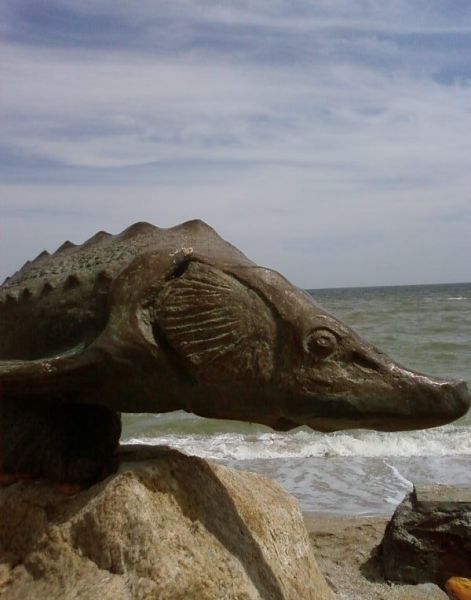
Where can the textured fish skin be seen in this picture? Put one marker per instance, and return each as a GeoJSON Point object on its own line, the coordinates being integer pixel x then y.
{"type": "Point", "coordinates": [156, 320]}
{"type": "Point", "coordinates": [59, 300]}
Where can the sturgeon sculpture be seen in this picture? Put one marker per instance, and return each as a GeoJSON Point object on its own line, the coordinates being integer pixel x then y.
{"type": "Point", "coordinates": [157, 320]}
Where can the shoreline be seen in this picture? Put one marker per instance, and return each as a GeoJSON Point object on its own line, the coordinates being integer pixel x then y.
{"type": "Point", "coordinates": [346, 550]}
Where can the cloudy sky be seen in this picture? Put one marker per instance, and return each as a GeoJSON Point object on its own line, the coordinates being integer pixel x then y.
{"type": "Point", "coordinates": [329, 139]}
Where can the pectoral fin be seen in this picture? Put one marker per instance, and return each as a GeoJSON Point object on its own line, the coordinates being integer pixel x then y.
{"type": "Point", "coordinates": [218, 325]}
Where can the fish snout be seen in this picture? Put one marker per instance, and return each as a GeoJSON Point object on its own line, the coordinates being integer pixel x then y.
{"type": "Point", "coordinates": [441, 399]}
{"type": "Point", "coordinates": [456, 397]}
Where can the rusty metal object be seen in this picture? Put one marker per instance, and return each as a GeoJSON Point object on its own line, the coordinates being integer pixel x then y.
{"type": "Point", "coordinates": [459, 588]}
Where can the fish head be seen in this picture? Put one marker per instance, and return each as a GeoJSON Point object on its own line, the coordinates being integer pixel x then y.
{"type": "Point", "coordinates": [260, 349]}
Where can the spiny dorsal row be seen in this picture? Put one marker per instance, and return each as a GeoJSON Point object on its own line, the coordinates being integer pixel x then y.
{"type": "Point", "coordinates": [14, 297]}
{"type": "Point", "coordinates": [26, 283]}
{"type": "Point", "coordinates": [99, 237]}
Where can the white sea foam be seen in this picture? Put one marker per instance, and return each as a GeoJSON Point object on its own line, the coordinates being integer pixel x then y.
{"type": "Point", "coordinates": [362, 472]}
{"type": "Point", "coordinates": [399, 477]}
{"type": "Point", "coordinates": [443, 441]}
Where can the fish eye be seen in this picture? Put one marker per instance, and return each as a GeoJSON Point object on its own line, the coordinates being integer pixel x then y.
{"type": "Point", "coordinates": [321, 343]}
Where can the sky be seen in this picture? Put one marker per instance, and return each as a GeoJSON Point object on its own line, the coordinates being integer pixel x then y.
{"type": "Point", "coordinates": [329, 140]}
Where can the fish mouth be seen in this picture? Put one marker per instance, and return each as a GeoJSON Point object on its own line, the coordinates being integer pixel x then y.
{"type": "Point", "coordinates": [377, 423]}
{"type": "Point", "coordinates": [428, 403]}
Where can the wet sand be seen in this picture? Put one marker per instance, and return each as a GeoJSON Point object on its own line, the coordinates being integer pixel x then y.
{"type": "Point", "coordinates": [346, 549]}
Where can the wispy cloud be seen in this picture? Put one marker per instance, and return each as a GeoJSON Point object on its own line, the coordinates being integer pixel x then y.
{"type": "Point", "coordinates": [329, 139]}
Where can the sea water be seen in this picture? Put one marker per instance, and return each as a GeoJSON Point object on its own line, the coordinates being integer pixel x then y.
{"type": "Point", "coordinates": [426, 328]}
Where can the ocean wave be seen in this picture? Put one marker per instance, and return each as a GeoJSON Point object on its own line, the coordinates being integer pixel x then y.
{"type": "Point", "coordinates": [443, 441]}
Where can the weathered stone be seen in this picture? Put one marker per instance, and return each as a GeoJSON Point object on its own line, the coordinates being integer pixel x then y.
{"type": "Point", "coordinates": [429, 536]}
{"type": "Point", "coordinates": [431, 496]}
{"type": "Point", "coordinates": [157, 320]}
{"type": "Point", "coordinates": [169, 527]}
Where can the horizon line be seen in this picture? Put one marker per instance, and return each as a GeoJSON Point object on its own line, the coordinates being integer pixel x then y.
{"type": "Point", "coordinates": [387, 285]}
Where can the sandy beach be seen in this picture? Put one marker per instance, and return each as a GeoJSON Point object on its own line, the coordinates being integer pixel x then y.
{"type": "Point", "coordinates": [346, 550]}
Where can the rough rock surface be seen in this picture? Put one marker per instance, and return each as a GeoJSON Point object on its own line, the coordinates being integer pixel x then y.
{"type": "Point", "coordinates": [165, 526]}
{"type": "Point", "coordinates": [346, 550]}
{"type": "Point", "coordinates": [429, 536]}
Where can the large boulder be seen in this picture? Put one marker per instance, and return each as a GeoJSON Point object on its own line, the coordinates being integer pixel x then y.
{"type": "Point", "coordinates": [429, 537]}
{"type": "Point", "coordinates": [165, 526]}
